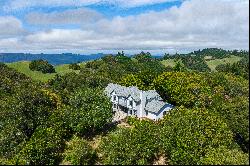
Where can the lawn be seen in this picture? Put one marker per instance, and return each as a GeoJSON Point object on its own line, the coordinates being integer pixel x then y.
{"type": "Point", "coordinates": [23, 67]}
{"type": "Point", "coordinates": [213, 63]}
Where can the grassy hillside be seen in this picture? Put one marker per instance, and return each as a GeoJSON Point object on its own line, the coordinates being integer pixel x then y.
{"type": "Point", "coordinates": [213, 63]}
{"type": "Point", "coordinates": [23, 67]}
{"type": "Point", "coordinates": [169, 62]}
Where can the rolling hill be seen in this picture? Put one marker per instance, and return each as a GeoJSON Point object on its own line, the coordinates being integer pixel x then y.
{"type": "Point", "coordinates": [23, 67]}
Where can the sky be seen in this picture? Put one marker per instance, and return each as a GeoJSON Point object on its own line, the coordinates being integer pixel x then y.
{"type": "Point", "coordinates": [109, 26]}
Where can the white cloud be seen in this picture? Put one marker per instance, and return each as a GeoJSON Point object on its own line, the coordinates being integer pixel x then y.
{"type": "Point", "coordinates": [195, 24]}
{"type": "Point", "coordinates": [77, 16]}
{"type": "Point", "coordinates": [10, 26]}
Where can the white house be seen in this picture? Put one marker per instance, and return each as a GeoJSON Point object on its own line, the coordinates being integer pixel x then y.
{"type": "Point", "coordinates": [130, 101]}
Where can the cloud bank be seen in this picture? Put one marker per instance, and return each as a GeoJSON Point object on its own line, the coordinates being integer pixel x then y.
{"type": "Point", "coordinates": [195, 24]}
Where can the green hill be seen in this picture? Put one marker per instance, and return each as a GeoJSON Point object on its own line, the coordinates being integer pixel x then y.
{"type": "Point", "coordinates": [23, 67]}
{"type": "Point", "coordinates": [213, 63]}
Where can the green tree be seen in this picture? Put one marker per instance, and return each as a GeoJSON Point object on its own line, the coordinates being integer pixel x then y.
{"type": "Point", "coordinates": [74, 66]}
{"type": "Point", "coordinates": [224, 156]}
{"type": "Point", "coordinates": [143, 57]}
{"type": "Point", "coordinates": [183, 88]}
{"type": "Point", "coordinates": [179, 67]}
{"type": "Point", "coordinates": [89, 110]}
{"type": "Point", "coordinates": [41, 65]}
{"type": "Point", "coordinates": [23, 113]}
{"type": "Point", "coordinates": [79, 152]}
{"type": "Point", "coordinates": [43, 147]}
{"type": "Point", "coordinates": [131, 146]}
{"type": "Point", "coordinates": [189, 134]}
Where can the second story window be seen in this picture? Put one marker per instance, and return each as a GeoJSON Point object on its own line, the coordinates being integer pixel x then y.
{"type": "Point", "coordinates": [114, 98]}
{"type": "Point", "coordinates": [131, 103]}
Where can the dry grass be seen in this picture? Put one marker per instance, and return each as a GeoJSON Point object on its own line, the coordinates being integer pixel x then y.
{"type": "Point", "coordinates": [161, 160]}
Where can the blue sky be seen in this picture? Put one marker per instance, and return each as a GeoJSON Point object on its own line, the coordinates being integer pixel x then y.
{"type": "Point", "coordinates": [89, 26]}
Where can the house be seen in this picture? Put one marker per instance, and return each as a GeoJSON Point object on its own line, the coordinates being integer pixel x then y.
{"type": "Point", "coordinates": [130, 101]}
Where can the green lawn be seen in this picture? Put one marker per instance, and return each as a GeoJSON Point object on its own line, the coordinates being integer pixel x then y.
{"type": "Point", "coordinates": [23, 67]}
{"type": "Point", "coordinates": [213, 63]}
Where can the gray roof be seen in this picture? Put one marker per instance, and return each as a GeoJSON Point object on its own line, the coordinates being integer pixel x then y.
{"type": "Point", "coordinates": [155, 106]}
{"type": "Point", "coordinates": [132, 91]}
{"type": "Point", "coordinates": [154, 101]}
{"type": "Point", "coordinates": [152, 94]}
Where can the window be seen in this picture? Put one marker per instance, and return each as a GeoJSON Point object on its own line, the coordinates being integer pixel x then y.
{"type": "Point", "coordinates": [135, 112]}
{"type": "Point", "coordinates": [114, 106]}
{"type": "Point", "coordinates": [131, 103]}
{"type": "Point", "coordinates": [146, 113]}
{"type": "Point", "coordinates": [114, 98]}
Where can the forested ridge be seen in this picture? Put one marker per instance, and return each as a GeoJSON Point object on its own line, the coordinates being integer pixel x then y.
{"type": "Point", "coordinates": [67, 120]}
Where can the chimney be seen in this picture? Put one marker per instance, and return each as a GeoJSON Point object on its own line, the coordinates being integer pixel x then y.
{"type": "Point", "coordinates": [142, 105]}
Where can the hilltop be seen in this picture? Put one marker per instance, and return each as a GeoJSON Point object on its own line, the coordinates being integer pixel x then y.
{"type": "Point", "coordinates": [23, 67]}
{"type": "Point", "coordinates": [68, 119]}
{"type": "Point", "coordinates": [204, 60]}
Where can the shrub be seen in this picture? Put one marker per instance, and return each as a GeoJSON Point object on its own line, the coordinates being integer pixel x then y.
{"type": "Point", "coordinates": [41, 65]}
{"type": "Point", "coordinates": [78, 152]}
